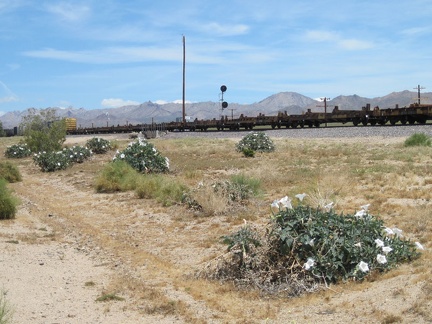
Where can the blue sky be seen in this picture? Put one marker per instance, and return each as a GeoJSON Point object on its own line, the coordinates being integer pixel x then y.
{"type": "Point", "coordinates": [100, 54]}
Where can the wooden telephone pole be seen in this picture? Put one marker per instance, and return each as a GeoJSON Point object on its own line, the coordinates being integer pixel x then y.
{"type": "Point", "coordinates": [418, 93]}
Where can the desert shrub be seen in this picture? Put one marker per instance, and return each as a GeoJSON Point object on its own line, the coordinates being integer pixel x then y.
{"type": "Point", "coordinates": [116, 176]}
{"type": "Point", "coordinates": [222, 196]}
{"type": "Point", "coordinates": [8, 203]}
{"type": "Point", "coordinates": [248, 152]}
{"type": "Point", "coordinates": [255, 141]}
{"type": "Point", "coordinates": [9, 172]}
{"type": "Point", "coordinates": [238, 188]}
{"type": "Point", "coordinates": [77, 154]}
{"type": "Point", "coordinates": [98, 145]}
{"type": "Point", "coordinates": [143, 157]}
{"type": "Point", "coordinates": [165, 190]}
{"type": "Point", "coordinates": [52, 161]}
{"type": "Point", "coordinates": [43, 130]}
{"type": "Point", "coordinates": [418, 139]}
{"type": "Point", "coordinates": [304, 248]}
{"type": "Point", "coordinates": [17, 151]}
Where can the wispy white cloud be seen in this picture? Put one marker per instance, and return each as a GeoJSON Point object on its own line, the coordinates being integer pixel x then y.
{"type": "Point", "coordinates": [109, 55]}
{"type": "Point", "coordinates": [226, 29]}
{"type": "Point", "coordinates": [336, 38]}
{"type": "Point", "coordinates": [117, 102]}
{"type": "Point", "coordinates": [69, 11]}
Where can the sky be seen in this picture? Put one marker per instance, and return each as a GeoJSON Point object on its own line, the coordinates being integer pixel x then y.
{"type": "Point", "coordinates": [103, 54]}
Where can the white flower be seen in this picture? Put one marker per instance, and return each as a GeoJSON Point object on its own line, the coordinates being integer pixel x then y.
{"type": "Point", "coordinates": [275, 204]}
{"type": "Point", "coordinates": [379, 243]}
{"type": "Point", "coordinates": [312, 242]}
{"type": "Point", "coordinates": [71, 156]}
{"type": "Point", "coordinates": [309, 264]}
{"type": "Point", "coordinates": [358, 244]}
{"type": "Point", "coordinates": [301, 196]}
{"type": "Point", "coordinates": [59, 164]}
{"type": "Point", "coordinates": [381, 259]}
{"type": "Point", "coordinates": [363, 266]}
{"type": "Point", "coordinates": [167, 162]}
{"type": "Point", "coordinates": [365, 207]}
{"type": "Point", "coordinates": [397, 231]}
{"type": "Point", "coordinates": [389, 231]}
{"type": "Point", "coordinates": [386, 249]}
{"type": "Point", "coordinates": [361, 213]}
{"type": "Point", "coordinates": [329, 206]}
{"type": "Point", "coordinates": [286, 202]}
{"type": "Point", "coordinates": [419, 246]}
{"type": "Point", "coordinates": [122, 156]}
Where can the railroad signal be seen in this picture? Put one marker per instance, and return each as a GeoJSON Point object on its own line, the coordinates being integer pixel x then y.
{"type": "Point", "coordinates": [224, 104]}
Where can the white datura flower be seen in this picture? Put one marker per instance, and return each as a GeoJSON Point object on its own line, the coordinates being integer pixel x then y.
{"type": "Point", "coordinates": [309, 264]}
{"type": "Point", "coordinates": [363, 266]}
{"type": "Point", "coordinates": [381, 259]}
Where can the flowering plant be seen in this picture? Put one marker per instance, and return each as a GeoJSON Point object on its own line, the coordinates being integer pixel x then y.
{"type": "Point", "coordinates": [255, 141]}
{"type": "Point", "coordinates": [143, 157]}
{"type": "Point", "coordinates": [98, 145]}
{"type": "Point", "coordinates": [51, 161]}
{"type": "Point", "coordinates": [77, 154]}
{"type": "Point", "coordinates": [305, 247]}
{"type": "Point", "coordinates": [17, 151]}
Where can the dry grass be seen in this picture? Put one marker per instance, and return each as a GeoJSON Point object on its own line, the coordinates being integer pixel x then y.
{"type": "Point", "coordinates": [160, 247]}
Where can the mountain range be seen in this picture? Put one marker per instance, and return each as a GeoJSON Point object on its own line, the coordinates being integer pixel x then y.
{"type": "Point", "coordinates": [148, 112]}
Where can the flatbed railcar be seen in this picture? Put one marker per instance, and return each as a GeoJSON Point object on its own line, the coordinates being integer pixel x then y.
{"type": "Point", "coordinates": [415, 113]}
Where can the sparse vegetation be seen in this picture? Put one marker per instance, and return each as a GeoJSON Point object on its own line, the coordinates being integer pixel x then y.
{"type": "Point", "coordinates": [109, 297]}
{"type": "Point", "coordinates": [9, 172]}
{"type": "Point", "coordinates": [418, 139]}
{"type": "Point", "coordinates": [6, 311]}
{"type": "Point", "coordinates": [8, 203]}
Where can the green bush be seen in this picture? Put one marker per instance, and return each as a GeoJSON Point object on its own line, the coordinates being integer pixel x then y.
{"type": "Point", "coordinates": [8, 203]}
{"type": "Point", "coordinates": [98, 145]}
{"type": "Point", "coordinates": [52, 161]}
{"type": "Point", "coordinates": [17, 151]}
{"type": "Point", "coordinates": [255, 141]}
{"type": "Point", "coordinates": [77, 154]}
{"type": "Point", "coordinates": [43, 130]}
{"type": "Point", "coordinates": [143, 157]}
{"type": "Point", "coordinates": [9, 172]}
{"type": "Point", "coordinates": [159, 187]}
{"type": "Point", "coordinates": [116, 176]}
{"type": "Point", "coordinates": [303, 248]}
{"type": "Point", "coordinates": [418, 139]}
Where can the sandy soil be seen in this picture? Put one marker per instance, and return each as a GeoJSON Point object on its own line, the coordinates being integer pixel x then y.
{"type": "Point", "coordinates": [69, 246]}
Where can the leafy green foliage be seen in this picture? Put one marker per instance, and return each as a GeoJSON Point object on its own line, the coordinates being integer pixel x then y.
{"type": "Point", "coordinates": [305, 247]}
{"type": "Point", "coordinates": [257, 142]}
{"type": "Point", "coordinates": [77, 154]}
{"type": "Point", "coordinates": [244, 239]}
{"type": "Point", "coordinates": [17, 151]}
{"type": "Point", "coordinates": [9, 172]}
{"type": "Point", "coordinates": [8, 203]}
{"type": "Point", "coordinates": [2, 132]}
{"type": "Point", "coordinates": [44, 131]}
{"type": "Point", "coordinates": [143, 157]}
{"type": "Point", "coordinates": [98, 145]}
{"type": "Point", "coordinates": [418, 139]}
{"type": "Point", "coordinates": [52, 161]}
{"type": "Point", "coordinates": [248, 152]}
{"type": "Point", "coordinates": [336, 244]}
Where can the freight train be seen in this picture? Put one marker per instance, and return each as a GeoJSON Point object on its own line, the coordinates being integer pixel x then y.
{"type": "Point", "coordinates": [415, 113]}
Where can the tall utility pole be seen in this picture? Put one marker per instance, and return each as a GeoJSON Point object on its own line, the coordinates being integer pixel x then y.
{"type": "Point", "coordinates": [184, 81]}
{"type": "Point", "coordinates": [418, 93]}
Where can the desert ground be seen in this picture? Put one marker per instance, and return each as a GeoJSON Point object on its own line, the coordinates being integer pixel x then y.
{"type": "Point", "coordinates": [69, 246]}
